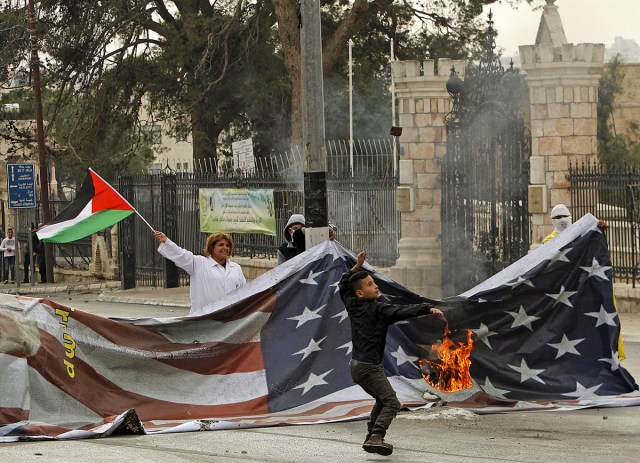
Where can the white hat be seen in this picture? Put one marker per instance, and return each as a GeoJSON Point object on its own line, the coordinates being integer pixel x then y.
{"type": "Point", "coordinates": [560, 210]}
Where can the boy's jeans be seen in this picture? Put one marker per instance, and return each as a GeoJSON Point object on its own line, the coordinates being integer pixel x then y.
{"type": "Point", "coordinates": [372, 379]}
{"type": "Point", "coordinates": [9, 267]}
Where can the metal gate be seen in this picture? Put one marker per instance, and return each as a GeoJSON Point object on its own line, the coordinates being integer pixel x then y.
{"type": "Point", "coordinates": [362, 206]}
{"type": "Point", "coordinates": [485, 174]}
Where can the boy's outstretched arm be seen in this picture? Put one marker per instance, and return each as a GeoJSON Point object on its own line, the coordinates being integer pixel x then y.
{"type": "Point", "coordinates": [343, 285]}
{"type": "Point", "coordinates": [360, 258]}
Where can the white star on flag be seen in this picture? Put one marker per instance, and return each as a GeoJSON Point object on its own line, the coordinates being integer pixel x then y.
{"type": "Point", "coordinates": [402, 357]}
{"type": "Point", "coordinates": [596, 270]}
{"type": "Point", "coordinates": [310, 280]}
{"type": "Point", "coordinates": [521, 318]}
{"type": "Point", "coordinates": [584, 393]}
{"type": "Point", "coordinates": [520, 281]}
{"type": "Point", "coordinates": [614, 361]}
{"type": "Point", "coordinates": [313, 381]}
{"type": "Point", "coordinates": [561, 256]}
{"type": "Point", "coordinates": [348, 346]}
{"type": "Point", "coordinates": [562, 297]}
{"type": "Point", "coordinates": [490, 389]}
{"type": "Point", "coordinates": [603, 317]}
{"type": "Point", "coordinates": [483, 333]}
{"type": "Point", "coordinates": [342, 315]}
{"type": "Point", "coordinates": [527, 373]}
{"type": "Point", "coordinates": [307, 315]}
{"type": "Point", "coordinates": [312, 347]}
{"type": "Point", "coordinates": [336, 286]}
{"type": "Point", "coordinates": [566, 346]}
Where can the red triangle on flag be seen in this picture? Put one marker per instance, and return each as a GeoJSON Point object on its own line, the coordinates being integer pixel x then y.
{"type": "Point", "coordinates": [106, 197]}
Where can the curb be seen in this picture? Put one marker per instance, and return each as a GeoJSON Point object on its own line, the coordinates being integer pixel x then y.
{"type": "Point", "coordinates": [63, 288]}
{"type": "Point", "coordinates": [110, 297]}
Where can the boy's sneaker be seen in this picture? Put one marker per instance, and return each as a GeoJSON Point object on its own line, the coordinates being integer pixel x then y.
{"type": "Point", "coordinates": [376, 444]}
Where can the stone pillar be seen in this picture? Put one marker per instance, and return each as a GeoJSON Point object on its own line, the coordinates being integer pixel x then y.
{"type": "Point", "coordinates": [423, 103]}
{"type": "Point", "coordinates": [563, 94]}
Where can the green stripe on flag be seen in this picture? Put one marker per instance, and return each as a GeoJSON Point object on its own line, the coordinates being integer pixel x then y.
{"type": "Point", "coordinates": [92, 224]}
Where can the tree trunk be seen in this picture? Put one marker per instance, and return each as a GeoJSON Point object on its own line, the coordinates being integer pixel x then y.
{"type": "Point", "coordinates": [205, 138]}
{"type": "Point", "coordinates": [288, 16]}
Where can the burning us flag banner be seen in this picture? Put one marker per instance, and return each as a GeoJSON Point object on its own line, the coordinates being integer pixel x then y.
{"type": "Point", "coordinates": [96, 206]}
{"type": "Point", "coordinates": [545, 330]}
{"type": "Point", "coordinates": [277, 351]}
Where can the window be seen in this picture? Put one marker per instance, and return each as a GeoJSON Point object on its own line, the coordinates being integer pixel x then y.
{"type": "Point", "coordinates": [152, 133]}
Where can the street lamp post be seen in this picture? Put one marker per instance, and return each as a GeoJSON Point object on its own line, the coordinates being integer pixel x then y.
{"type": "Point", "coordinates": [42, 156]}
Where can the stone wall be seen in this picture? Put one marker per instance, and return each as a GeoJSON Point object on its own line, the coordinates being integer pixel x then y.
{"type": "Point", "coordinates": [423, 103]}
{"type": "Point", "coordinates": [627, 298]}
{"type": "Point", "coordinates": [563, 93]}
{"type": "Point", "coordinates": [627, 107]}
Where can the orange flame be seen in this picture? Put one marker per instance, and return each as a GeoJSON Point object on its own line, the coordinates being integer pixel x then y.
{"type": "Point", "coordinates": [450, 371]}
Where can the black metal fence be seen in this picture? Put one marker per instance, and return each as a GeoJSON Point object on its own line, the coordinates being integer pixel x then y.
{"type": "Point", "coordinates": [612, 195]}
{"type": "Point", "coordinates": [362, 206]}
{"type": "Point", "coordinates": [75, 255]}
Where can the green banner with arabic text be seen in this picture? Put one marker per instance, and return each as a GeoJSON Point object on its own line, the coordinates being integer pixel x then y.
{"type": "Point", "coordinates": [239, 210]}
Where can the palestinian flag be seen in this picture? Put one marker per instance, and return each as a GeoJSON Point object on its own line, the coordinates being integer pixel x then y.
{"type": "Point", "coordinates": [97, 206]}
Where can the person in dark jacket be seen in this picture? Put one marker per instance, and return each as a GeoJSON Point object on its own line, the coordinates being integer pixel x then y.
{"type": "Point", "coordinates": [40, 258]}
{"type": "Point", "coordinates": [35, 242]}
{"type": "Point", "coordinates": [370, 319]}
{"type": "Point", "coordinates": [294, 238]}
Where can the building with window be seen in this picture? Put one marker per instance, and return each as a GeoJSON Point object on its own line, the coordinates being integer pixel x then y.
{"type": "Point", "coordinates": [171, 153]}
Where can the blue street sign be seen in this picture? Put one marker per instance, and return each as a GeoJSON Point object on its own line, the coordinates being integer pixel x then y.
{"type": "Point", "coordinates": [22, 186]}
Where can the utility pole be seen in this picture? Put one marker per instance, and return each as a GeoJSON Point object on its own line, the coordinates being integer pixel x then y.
{"type": "Point", "coordinates": [42, 155]}
{"type": "Point", "coordinates": [313, 135]}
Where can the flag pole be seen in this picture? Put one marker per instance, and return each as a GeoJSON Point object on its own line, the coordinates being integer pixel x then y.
{"type": "Point", "coordinates": [143, 219]}
{"type": "Point", "coordinates": [124, 199]}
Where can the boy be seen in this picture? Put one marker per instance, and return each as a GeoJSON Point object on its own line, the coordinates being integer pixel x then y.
{"type": "Point", "coordinates": [8, 246]}
{"type": "Point", "coordinates": [370, 320]}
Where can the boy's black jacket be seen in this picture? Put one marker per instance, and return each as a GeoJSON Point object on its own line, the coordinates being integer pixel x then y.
{"type": "Point", "coordinates": [370, 320]}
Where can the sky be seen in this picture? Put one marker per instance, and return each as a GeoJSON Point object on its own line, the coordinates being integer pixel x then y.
{"type": "Point", "coordinates": [584, 21]}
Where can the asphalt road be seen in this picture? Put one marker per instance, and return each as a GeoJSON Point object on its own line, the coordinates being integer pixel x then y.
{"type": "Point", "coordinates": [442, 434]}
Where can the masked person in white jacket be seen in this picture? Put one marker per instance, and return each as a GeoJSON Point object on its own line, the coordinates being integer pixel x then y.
{"type": "Point", "coordinates": [212, 275]}
{"type": "Point", "coordinates": [561, 220]}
